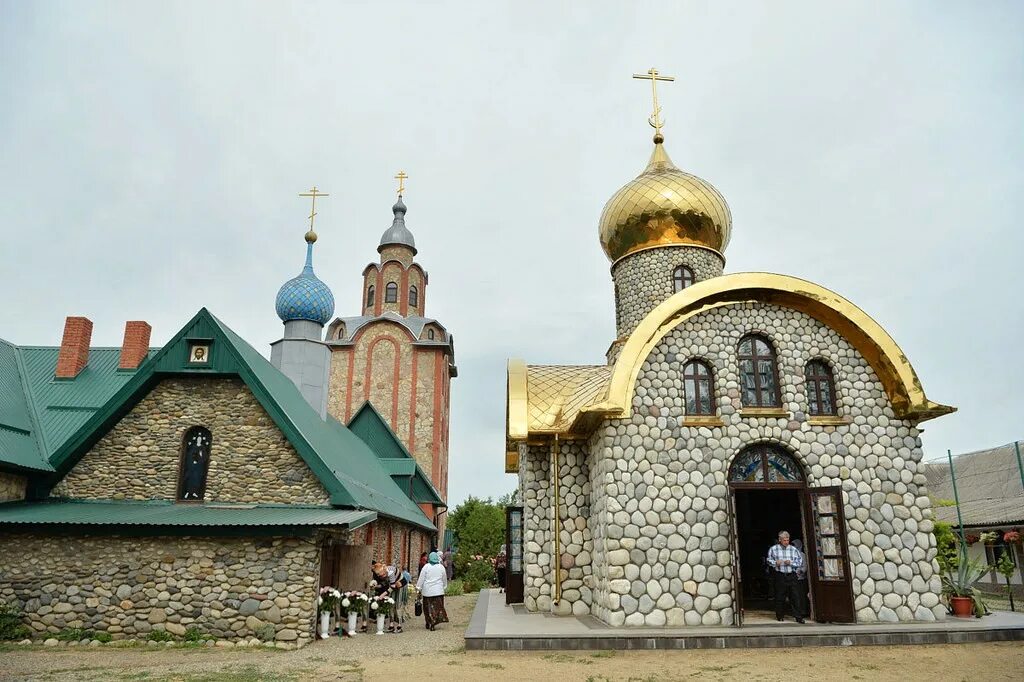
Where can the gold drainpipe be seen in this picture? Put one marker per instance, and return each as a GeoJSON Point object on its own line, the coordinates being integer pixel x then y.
{"type": "Point", "coordinates": [556, 525]}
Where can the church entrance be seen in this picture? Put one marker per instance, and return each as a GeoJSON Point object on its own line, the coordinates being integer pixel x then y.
{"type": "Point", "coordinates": [769, 494]}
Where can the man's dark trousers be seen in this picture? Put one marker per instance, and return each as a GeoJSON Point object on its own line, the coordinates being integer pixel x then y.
{"type": "Point", "coordinates": [786, 585]}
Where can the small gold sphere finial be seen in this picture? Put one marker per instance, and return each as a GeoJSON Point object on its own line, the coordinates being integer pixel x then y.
{"type": "Point", "coordinates": [658, 138]}
{"type": "Point", "coordinates": [311, 237]}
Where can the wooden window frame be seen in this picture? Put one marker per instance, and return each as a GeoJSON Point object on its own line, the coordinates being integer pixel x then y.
{"type": "Point", "coordinates": [371, 296]}
{"type": "Point", "coordinates": [414, 297]}
{"type": "Point", "coordinates": [391, 292]}
{"type": "Point", "coordinates": [682, 277]}
{"type": "Point", "coordinates": [775, 400]}
{"type": "Point", "coordinates": [813, 383]}
{"type": "Point", "coordinates": [696, 377]}
{"type": "Point", "coordinates": [181, 467]}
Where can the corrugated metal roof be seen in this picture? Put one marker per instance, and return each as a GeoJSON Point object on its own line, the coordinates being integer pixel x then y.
{"type": "Point", "coordinates": [986, 513]}
{"type": "Point", "coordinates": [375, 432]}
{"type": "Point", "coordinates": [400, 466]}
{"type": "Point", "coordinates": [18, 444]}
{"type": "Point", "coordinates": [988, 485]}
{"type": "Point", "coordinates": [161, 513]}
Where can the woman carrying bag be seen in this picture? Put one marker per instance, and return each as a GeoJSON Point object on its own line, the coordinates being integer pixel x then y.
{"type": "Point", "coordinates": [431, 584]}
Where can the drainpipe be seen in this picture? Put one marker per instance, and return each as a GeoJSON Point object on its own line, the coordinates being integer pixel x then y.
{"type": "Point", "coordinates": [556, 527]}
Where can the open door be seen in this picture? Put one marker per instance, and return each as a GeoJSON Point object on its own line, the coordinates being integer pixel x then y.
{"type": "Point", "coordinates": [828, 556]}
{"type": "Point", "coordinates": [513, 555]}
{"type": "Point", "coordinates": [737, 576]}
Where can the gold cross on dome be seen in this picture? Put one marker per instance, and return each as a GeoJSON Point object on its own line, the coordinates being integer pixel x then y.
{"type": "Point", "coordinates": [314, 193]}
{"type": "Point", "coordinates": [401, 177]}
{"type": "Point", "coordinates": [653, 76]}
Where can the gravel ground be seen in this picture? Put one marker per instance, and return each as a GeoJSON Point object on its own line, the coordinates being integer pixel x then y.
{"type": "Point", "coordinates": [418, 654]}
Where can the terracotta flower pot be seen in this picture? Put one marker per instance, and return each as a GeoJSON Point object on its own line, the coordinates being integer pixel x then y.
{"type": "Point", "coordinates": [963, 607]}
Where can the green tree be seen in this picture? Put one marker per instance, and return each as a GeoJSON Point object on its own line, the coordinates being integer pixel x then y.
{"type": "Point", "coordinates": [478, 526]}
{"type": "Point", "coordinates": [948, 545]}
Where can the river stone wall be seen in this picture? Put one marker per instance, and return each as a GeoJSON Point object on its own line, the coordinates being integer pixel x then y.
{"type": "Point", "coordinates": [12, 487]}
{"type": "Point", "coordinates": [662, 552]}
{"type": "Point", "coordinates": [643, 280]}
{"type": "Point", "coordinates": [575, 543]}
{"type": "Point", "coordinates": [140, 457]}
{"type": "Point", "coordinates": [231, 588]}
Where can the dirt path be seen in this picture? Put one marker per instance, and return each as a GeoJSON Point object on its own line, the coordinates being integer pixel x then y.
{"type": "Point", "coordinates": [420, 655]}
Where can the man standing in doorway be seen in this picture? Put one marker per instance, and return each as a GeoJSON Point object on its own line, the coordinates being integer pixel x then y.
{"type": "Point", "coordinates": [786, 560]}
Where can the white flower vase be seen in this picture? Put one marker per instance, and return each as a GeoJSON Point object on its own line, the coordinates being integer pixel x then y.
{"type": "Point", "coordinates": [352, 615]}
{"type": "Point", "coordinates": [325, 624]}
{"type": "Point", "coordinates": [380, 623]}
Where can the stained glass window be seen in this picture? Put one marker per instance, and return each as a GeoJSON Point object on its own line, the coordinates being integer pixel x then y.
{"type": "Point", "coordinates": [195, 462]}
{"type": "Point", "coordinates": [757, 372]}
{"type": "Point", "coordinates": [820, 388]}
{"type": "Point", "coordinates": [682, 277]}
{"type": "Point", "coordinates": [765, 464]}
{"type": "Point", "coordinates": [697, 388]}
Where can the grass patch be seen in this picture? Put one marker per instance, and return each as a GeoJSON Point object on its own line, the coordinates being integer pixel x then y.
{"type": "Point", "coordinates": [74, 634]}
{"type": "Point", "coordinates": [566, 658]}
{"type": "Point", "coordinates": [455, 589]}
{"type": "Point", "coordinates": [493, 666]}
{"type": "Point", "coordinates": [603, 654]}
{"type": "Point", "coordinates": [245, 673]}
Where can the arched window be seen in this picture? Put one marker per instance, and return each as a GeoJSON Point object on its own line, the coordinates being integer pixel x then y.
{"type": "Point", "coordinates": [758, 377]}
{"type": "Point", "coordinates": [430, 334]}
{"type": "Point", "coordinates": [765, 464]}
{"type": "Point", "coordinates": [414, 296]}
{"type": "Point", "coordinates": [391, 293]}
{"type": "Point", "coordinates": [370, 294]}
{"type": "Point", "coordinates": [682, 277]}
{"type": "Point", "coordinates": [697, 388]}
{"type": "Point", "coordinates": [195, 462]}
{"type": "Point", "coordinates": [821, 388]}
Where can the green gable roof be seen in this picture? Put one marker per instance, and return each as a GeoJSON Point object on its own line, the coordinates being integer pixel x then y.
{"type": "Point", "coordinates": [166, 513]}
{"type": "Point", "coordinates": [38, 413]}
{"type": "Point", "coordinates": [344, 464]}
{"type": "Point", "coordinates": [368, 424]}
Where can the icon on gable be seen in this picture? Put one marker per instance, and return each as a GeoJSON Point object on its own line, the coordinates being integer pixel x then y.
{"type": "Point", "coordinates": [199, 353]}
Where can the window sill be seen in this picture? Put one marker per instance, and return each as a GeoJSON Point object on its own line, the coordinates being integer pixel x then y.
{"type": "Point", "coordinates": [702, 421]}
{"type": "Point", "coordinates": [829, 420]}
{"type": "Point", "coordinates": [764, 412]}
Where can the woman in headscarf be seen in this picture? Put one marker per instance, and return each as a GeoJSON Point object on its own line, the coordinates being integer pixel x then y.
{"type": "Point", "coordinates": [431, 584]}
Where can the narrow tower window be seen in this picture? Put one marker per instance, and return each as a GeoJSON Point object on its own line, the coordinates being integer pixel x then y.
{"type": "Point", "coordinates": [682, 277]}
{"type": "Point", "coordinates": [697, 388]}
{"type": "Point", "coordinates": [370, 295]}
{"type": "Point", "coordinates": [820, 388]}
{"type": "Point", "coordinates": [414, 296]}
{"type": "Point", "coordinates": [195, 462]}
{"type": "Point", "coordinates": [758, 374]}
{"type": "Point", "coordinates": [391, 293]}
{"type": "Point", "coordinates": [430, 334]}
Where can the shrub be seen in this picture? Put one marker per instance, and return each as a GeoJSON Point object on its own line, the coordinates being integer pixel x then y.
{"type": "Point", "coordinates": [74, 635]}
{"type": "Point", "coordinates": [194, 634]}
{"type": "Point", "coordinates": [104, 637]}
{"type": "Point", "coordinates": [455, 588]}
{"type": "Point", "coordinates": [160, 636]}
{"type": "Point", "coordinates": [472, 586]}
{"type": "Point", "coordinates": [10, 623]}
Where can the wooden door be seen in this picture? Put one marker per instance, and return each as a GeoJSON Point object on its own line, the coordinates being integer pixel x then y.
{"type": "Point", "coordinates": [828, 556]}
{"type": "Point", "coordinates": [514, 555]}
{"type": "Point", "coordinates": [328, 565]}
{"type": "Point", "coordinates": [737, 576]}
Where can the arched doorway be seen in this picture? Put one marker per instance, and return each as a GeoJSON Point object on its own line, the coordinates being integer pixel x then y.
{"type": "Point", "coordinates": [768, 494]}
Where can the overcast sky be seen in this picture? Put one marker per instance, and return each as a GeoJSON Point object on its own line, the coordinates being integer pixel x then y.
{"type": "Point", "coordinates": [151, 154]}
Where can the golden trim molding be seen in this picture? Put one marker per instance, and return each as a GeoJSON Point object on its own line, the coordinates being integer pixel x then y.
{"type": "Point", "coordinates": [702, 421]}
{"type": "Point", "coordinates": [829, 420]}
{"type": "Point", "coordinates": [780, 412]}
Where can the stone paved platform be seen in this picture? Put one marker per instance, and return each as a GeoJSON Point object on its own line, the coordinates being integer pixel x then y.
{"type": "Point", "coordinates": [495, 626]}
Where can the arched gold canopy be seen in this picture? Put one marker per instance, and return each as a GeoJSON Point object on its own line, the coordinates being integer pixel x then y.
{"type": "Point", "coordinates": [579, 398]}
{"type": "Point", "coordinates": [664, 206]}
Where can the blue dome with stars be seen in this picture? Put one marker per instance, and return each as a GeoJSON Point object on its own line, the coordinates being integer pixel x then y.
{"type": "Point", "coordinates": [305, 297]}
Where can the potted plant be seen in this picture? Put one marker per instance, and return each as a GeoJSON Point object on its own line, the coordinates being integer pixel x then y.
{"type": "Point", "coordinates": [379, 607]}
{"type": "Point", "coordinates": [1012, 537]}
{"type": "Point", "coordinates": [327, 601]}
{"type": "Point", "coordinates": [353, 603]}
{"type": "Point", "coordinates": [958, 587]}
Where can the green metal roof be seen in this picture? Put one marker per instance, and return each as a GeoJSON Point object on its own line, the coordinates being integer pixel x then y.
{"type": "Point", "coordinates": [349, 470]}
{"type": "Point", "coordinates": [38, 413]}
{"type": "Point", "coordinates": [164, 513]}
{"type": "Point", "coordinates": [368, 424]}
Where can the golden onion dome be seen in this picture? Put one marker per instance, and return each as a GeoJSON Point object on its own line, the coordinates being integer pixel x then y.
{"type": "Point", "coordinates": [664, 206]}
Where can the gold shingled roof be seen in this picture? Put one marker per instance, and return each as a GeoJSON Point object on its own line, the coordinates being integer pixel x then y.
{"type": "Point", "coordinates": [556, 394]}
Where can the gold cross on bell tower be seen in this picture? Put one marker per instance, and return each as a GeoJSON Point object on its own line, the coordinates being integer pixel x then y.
{"type": "Point", "coordinates": [401, 177]}
{"type": "Point", "coordinates": [314, 193]}
{"type": "Point", "coordinates": [653, 76]}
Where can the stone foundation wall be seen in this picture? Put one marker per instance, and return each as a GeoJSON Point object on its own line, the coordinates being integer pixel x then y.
{"type": "Point", "coordinates": [643, 280]}
{"type": "Point", "coordinates": [250, 459]}
{"type": "Point", "coordinates": [231, 588]}
{"type": "Point", "coordinates": [12, 487]}
{"type": "Point", "coordinates": [666, 555]}
{"type": "Point", "coordinates": [575, 542]}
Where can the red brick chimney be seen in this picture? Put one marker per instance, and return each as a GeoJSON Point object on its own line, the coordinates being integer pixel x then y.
{"type": "Point", "coordinates": [74, 347]}
{"type": "Point", "coordinates": [136, 344]}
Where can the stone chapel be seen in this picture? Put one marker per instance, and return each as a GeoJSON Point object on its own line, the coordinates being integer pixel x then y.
{"type": "Point", "coordinates": [729, 407]}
